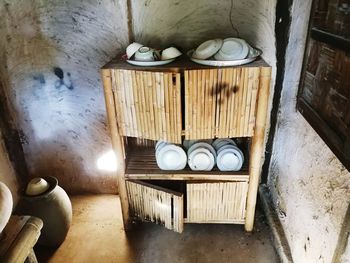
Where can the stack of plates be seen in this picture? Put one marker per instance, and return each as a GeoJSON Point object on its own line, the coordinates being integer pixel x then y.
{"type": "Point", "coordinates": [201, 156]}
{"type": "Point", "coordinates": [170, 156]}
{"type": "Point", "coordinates": [229, 156]}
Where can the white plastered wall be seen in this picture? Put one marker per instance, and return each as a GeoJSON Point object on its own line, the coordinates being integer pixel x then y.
{"type": "Point", "coordinates": [310, 187]}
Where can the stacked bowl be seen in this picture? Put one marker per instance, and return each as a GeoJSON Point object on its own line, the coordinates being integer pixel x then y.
{"type": "Point", "coordinates": [201, 156]}
{"type": "Point", "coordinates": [170, 156]}
{"type": "Point", "coordinates": [229, 156]}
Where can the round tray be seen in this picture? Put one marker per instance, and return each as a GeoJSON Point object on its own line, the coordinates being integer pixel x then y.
{"type": "Point", "coordinates": [253, 54]}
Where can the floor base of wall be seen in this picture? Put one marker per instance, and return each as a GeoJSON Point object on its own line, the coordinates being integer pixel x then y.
{"type": "Point", "coordinates": [278, 236]}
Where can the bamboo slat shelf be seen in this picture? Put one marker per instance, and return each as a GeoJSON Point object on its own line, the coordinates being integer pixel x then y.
{"type": "Point", "coordinates": [177, 101]}
{"type": "Point", "coordinates": [142, 165]}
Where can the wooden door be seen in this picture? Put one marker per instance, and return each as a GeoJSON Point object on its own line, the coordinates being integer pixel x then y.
{"type": "Point", "coordinates": [148, 104]}
{"type": "Point", "coordinates": [156, 204]}
{"type": "Point", "coordinates": [220, 102]}
{"type": "Point", "coordinates": [324, 91]}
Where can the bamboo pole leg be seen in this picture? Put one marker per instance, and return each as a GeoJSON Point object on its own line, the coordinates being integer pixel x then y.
{"type": "Point", "coordinates": [257, 147]}
{"type": "Point", "coordinates": [117, 143]}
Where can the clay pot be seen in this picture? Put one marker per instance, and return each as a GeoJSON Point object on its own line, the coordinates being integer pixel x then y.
{"type": "Point", "coordinates": [6, 204]}
{"type": "Point", "coordinates": [54, 208]}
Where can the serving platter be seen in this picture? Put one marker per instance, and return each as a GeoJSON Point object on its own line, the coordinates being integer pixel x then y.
{"type": "Point", "coordinates": [253, 55]}
{"type": "Point", "coordinates": [150, 63]}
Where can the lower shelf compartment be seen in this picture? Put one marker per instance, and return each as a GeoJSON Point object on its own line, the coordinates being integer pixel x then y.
{"type": "Point", "coordinates": [141, 164]}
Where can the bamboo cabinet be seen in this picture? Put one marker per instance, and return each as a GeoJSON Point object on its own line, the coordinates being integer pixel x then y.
{"type": "Point", "coordinates": [178, 101]}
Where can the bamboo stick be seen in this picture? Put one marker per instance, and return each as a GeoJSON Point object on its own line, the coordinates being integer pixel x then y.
{"type": "Point", "coordinates": [117, 144]}
{"type": "Point", "coordinates": [178, 109]}
{"type": "Point", "coordinates": [249, 98]}
{"type": "Point", "coordinates": [187, 103]}
{"type": "Point", "coordinates": [218, 98]}
{"type": "Point", "coordinates": [253, 101]}
{"type": "Point", "coordinates": [167, 98]}
{"type": "Point", "coordinates": [257, 147]}
{"type": "Point", "coordinates": [244, 100]}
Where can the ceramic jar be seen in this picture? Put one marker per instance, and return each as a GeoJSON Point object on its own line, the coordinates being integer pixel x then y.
{"type": "Point", "coordinates": [54, 208]}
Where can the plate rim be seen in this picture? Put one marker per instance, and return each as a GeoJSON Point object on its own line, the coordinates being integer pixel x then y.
{"type": "Point", "coordinates": [149, 63]}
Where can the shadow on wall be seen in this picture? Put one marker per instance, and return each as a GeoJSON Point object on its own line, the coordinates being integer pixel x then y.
{"type": "Point", "coordinates": [52, 53]}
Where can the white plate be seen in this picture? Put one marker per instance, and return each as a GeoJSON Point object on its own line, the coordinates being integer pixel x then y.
{"type": "Point", "coordinates": [201, 159]}
{"type": "Point", "coordinates": [218, 143]}
{"type": "Point", "coordinates": [171, 157]}
{"type": "Point", "coordinates": [208, 48]}
{"type": "Point", "coordinates": [253, 54]}
{"type": "Point", "coordinates": [150, 63]}
{"type": "Point", "coordinates": [230, 160]}
{"type": "Point", "coordinates": [205, 145]}
{"type": "Point", "coordinates": [232, 49]}
{"type": "Point", "coordinates": [188, 143]}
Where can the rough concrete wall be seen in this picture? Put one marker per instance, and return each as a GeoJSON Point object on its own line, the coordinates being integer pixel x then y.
{"type": "Point", "coordinates": [310, 187]}
{"type": "Point", "coordinates": [7, 173]}
{"type": "Point", "coordinates": [51, 52]}
{"type": "Point", "coordinates": [160, 23]}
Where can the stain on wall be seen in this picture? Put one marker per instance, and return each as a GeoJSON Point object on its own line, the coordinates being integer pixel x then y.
{"type": "Point", "coordinates": [310, 187]}
{"type": "Point", "coordinates": [51, 52]}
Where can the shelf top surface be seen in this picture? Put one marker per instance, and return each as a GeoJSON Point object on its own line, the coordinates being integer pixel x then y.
{"type": "Point", "coordinates": [180, 64]}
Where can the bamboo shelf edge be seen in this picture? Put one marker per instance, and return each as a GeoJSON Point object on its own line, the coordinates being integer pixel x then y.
{"type": "Point", "coordinates": [166, 176]}
{"type": "Point", "coordinates": [241, 222]}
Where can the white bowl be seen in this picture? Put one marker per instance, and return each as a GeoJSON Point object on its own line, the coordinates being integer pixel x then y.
{"type": "Point", "coordinates": [207, 48]}
{"type": "Point", "coordinates": [218, 143]}
{"type": "Point", "coordinates": [188, 143]}
{"type": "Point", "coordinates": [144, 54]}
{"type": "Point", "coordinates": [132, 48]}
{"type": "Point", "coordinates": [202, 145]}
{"type": "Point", "coordinates": [171, 157]}
{"type": "Point", "coordinates": [233, 49]}
{"type": "Point", "coordinates": [201, 159]}
{"type": "Point", "coordinates": [230, 158]}
{"type": "Point", "coordinates": [37, 186]}
{"type": "Point", "coordinates": [170, 53]}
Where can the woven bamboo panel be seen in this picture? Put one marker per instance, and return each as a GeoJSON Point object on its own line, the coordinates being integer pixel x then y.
{"type": "Point", "coordinates": [148, 104]}
{"type": "Point", "coordinates": [220, 102]}
{"type": "Point", "coordinates": [216, 202]}
{"type": "Point", "coordinates": [156, 204]}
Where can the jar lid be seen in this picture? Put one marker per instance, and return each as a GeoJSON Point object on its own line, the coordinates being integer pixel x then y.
{"type": "Point", "coordinates": [37, 186]}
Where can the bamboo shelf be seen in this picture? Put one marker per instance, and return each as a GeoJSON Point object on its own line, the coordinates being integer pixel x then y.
{"type": "Point", "coordinates": [142, 165]}
{"type": "Point", "coordinates": [184, 100]}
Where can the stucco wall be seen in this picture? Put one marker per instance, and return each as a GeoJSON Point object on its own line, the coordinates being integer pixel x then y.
{"type": "Point", "coordinates": [51, 52]}
{"type": "Point", "coordinates": [186, 24]}
{"type": "Point", "coordinates": [310, 187]}
{"type": "Point", "coordinates": [7, 173]}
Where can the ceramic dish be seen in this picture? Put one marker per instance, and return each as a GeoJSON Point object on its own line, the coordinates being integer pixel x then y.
{"type": "Point", "coordinates": [208, 48]}
{"type": "Point", "coordinates": [232, 49]}
{"type": "Point", "coordinates": [230, 159]}
{"type": "Point", "coordinates": [201, 159]}
{"type": "Point", "coordinates": [150, 63]}
{"type": "Point", "coordinates": [171, 157]}
{"type": "Point", "coordinates": [253, 54]}
{"type": "Point", "coordinates": [218, 143]}
{"type": "Point", "coordinates": [188, 143]}
{"type": "Point", "coordinates": [205, 145]}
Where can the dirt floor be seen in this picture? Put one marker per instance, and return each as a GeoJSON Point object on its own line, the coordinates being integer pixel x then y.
{"type": "Point", "coordinates": [97, 235]}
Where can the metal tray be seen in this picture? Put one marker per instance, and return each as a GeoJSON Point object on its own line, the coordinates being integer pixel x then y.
{"type": "Point", "coordinates": [253, 54]}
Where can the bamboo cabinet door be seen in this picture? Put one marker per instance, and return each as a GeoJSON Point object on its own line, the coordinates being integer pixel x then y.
{"type": "Point", "coordinates": [216, 202]}
{"type": "Point", "coordinates": [156, 204]}
{"type": "Point", "coordinates": [220, 102]}
{"type": "Point", "coordinates": [148, 104]}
